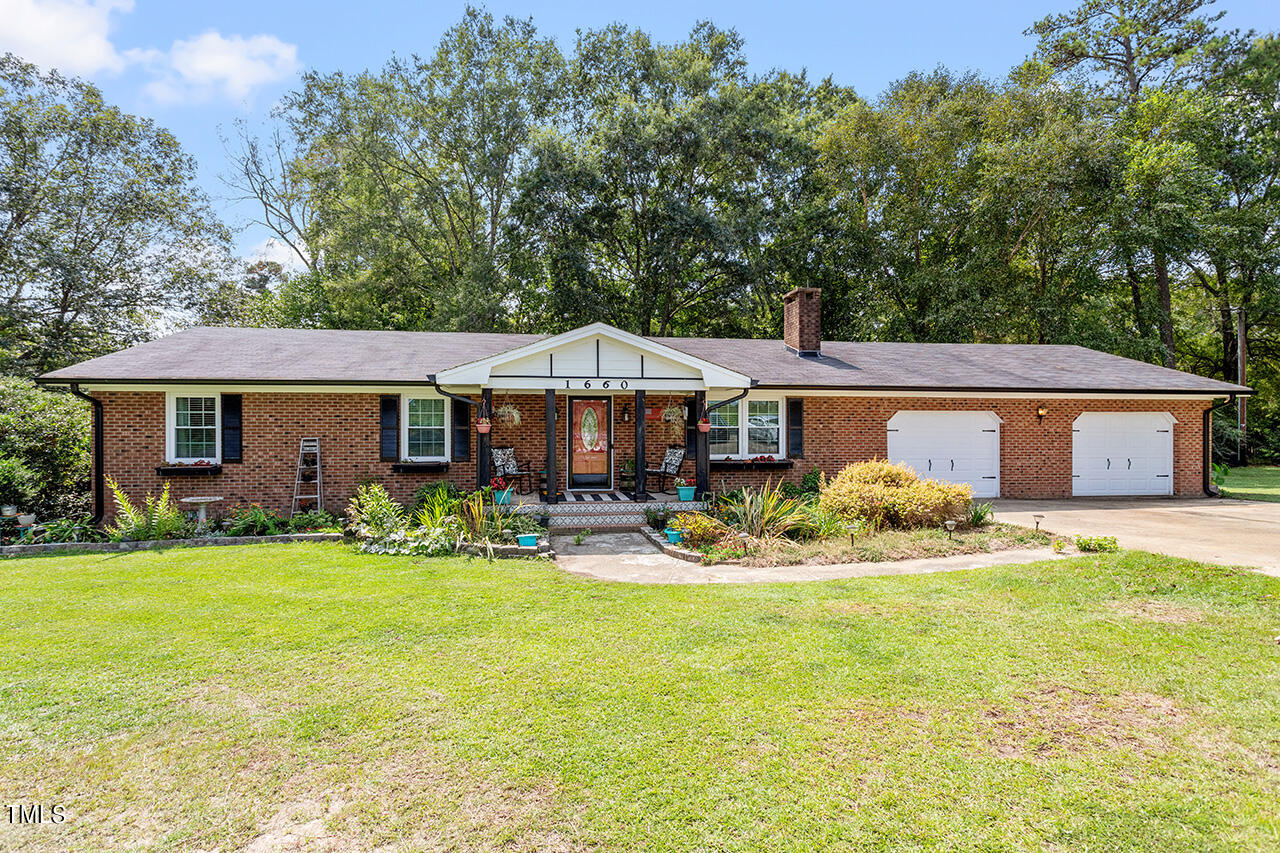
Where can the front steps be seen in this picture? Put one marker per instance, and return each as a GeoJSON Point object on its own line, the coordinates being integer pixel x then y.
{"type": "Point", "coordinates": [606, 514]}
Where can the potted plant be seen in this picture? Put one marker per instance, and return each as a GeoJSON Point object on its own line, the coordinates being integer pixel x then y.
{"type": "Point", "coordinates": [507, 414]}
{"type": "Point", "coordinates": [483, 425]}
{"type": "Point", "coordinates": [674, 536]}
{"type": "Point", "coordinates": [26, 520]}
{"type": "Point", "coordinates": [527, 540]}
{"type": "Point", "coordinates": [704, 425]}
{"type": "Point", "coordinates": [673, 417]}
{"type": "Point", "coordinates": [501, 491]}
{"type": "Point", "coordinates": [8, 510]}
{"type": "Point", "coordinates": [684, 489]}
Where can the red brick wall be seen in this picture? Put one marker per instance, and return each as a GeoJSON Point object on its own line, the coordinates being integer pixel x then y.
{"type": "Point", "coordinates": [1035, 457]}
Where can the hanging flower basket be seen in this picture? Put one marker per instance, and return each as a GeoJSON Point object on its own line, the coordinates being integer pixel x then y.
{"type": "Point", "coordinates": [483, 425]}
{"type": "Point", "coordinates": [507, 414]}
{"type": "Point", "coordinates": [704, 425]}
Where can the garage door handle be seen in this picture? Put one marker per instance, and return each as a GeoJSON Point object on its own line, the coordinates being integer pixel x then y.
{"type": "Point", "coordinates": [1108, 464]}
{"type": "Point", "coordinates": [953, 464]}
{"type": "Point", "coordinates": [930, 464]}
{"type": "Point", "coordinates": [1130, 468]}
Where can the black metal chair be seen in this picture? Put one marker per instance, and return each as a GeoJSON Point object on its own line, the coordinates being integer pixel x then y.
{"type": "Point", "coordinates": [506, 465]}
{"type": "Point", "coordinates": [670, 467]}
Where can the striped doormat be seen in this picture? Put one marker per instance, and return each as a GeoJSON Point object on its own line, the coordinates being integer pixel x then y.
{"type": "Point", "coordinates": [595, 497]}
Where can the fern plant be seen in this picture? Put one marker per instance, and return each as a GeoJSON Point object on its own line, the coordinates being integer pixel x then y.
{"type": "Point", "coordinates": [156, 518]}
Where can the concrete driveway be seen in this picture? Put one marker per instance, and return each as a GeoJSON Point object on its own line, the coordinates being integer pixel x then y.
{"type": "Point", "coordinates": [1212, 530]}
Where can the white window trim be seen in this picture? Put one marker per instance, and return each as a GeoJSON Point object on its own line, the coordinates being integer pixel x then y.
{"type": "Point", "coordinates": [404, 426]}
{"type": "Point", "coordinates": [742, 454]}
{"type": "Point", "coordinates": [171, 426]}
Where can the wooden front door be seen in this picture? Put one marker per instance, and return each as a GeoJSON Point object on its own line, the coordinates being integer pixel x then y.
{"type": "Point", "coordinates": [590, 443]}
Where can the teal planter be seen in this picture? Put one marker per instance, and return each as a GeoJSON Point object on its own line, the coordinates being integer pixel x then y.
{"type": "Point", "coordinates": [685, 492]}
{"type": "Point", "coordinates": [527, 540]}
{"type": "Point", "coordinates": [503, 497]}
{"type": "Point", "coordinates": [674, 536]}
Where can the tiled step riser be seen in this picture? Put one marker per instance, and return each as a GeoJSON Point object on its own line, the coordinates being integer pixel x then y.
{"type": "Point", "coordinates": [577, 515]}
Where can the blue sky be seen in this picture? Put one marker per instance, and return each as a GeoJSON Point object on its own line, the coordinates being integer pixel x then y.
{"type": "Point", "coordinates": [198, 67]}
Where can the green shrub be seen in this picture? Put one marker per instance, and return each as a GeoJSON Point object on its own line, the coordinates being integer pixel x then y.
{"type": "Point", "coordinates": [18, 484]}
{"type": "Point", "coordinates": [372, 514]}
{"type": "Point", "coordinates": [980, 514]}
{"type": "Point", "coordinates": [811, 483]}
{"type": "Point", "coordinates": [48, 433]}
{"type": "Point", "coordinates": [699, 529]}
{"type": "Point", "coordinates": [313, 521]}
{"type": "Point", "coordinates": [438, 492]}
{"type": "Point", "coordinates": [765, 513]}
{"type": "Point", "coordinates": [156, 518]}
{"type": "Point", "coordinates": [882, 495]}
{"type": "Point", "coordinates": [1097, 543]}
{"type": "Point", "coordinates": [68, 530]}
{"type": "Point", "coordinates": [254, 520]}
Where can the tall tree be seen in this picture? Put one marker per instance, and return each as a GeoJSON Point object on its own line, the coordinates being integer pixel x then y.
{"type": "Point", "coordinates": [102, 228]}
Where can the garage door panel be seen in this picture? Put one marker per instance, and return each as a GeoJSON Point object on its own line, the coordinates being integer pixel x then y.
{"type": "Point", "coordinates": [954, 447]}
{"type": "Point", "coordinates": [1122, 453]}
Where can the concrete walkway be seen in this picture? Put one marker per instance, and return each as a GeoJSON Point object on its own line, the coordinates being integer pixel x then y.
{"type": "Point", "coordinates": [1212, 530]}
{"type": "Point", "coordinates": [631, 558]}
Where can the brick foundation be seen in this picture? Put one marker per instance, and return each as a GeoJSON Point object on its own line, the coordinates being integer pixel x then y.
{"type": "Point", "coordinates": [1035, 456]}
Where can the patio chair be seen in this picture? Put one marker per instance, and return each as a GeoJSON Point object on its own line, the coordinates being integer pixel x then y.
{"type": "Point", "coordinates": [506, 465]}
{"type": "Point", "coordinates": [670, 467]}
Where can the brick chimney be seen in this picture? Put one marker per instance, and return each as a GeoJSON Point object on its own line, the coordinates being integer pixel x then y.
{"type": "Point", "coordinates": [802, 320]}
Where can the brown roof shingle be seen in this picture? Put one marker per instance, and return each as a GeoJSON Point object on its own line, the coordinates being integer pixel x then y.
{"type": "Point", "coordinates": [223, 355]}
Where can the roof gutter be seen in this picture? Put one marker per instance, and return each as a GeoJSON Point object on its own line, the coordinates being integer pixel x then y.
{"type": "Point", "coordinates": [99, 484]}
{"type": "Point", "coordinates": [431, 380]}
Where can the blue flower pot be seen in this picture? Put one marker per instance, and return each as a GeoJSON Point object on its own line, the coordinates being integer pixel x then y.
{"type": "Point", "coordinates": [674, 536]}
{"type": "Point", "coordinates": [685, 492]}
{"type": "Point", "coordinates": [527, 540]}
{"type": "Point", "coordinates": [503, 497]}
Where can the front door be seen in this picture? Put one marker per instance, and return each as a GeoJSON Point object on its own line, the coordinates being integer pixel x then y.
{"type": "Point", "coordinates": [590, 439]}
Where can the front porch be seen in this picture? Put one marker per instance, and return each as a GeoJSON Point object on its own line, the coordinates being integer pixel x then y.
{"type": "Point", "coordinates": [604, 420]}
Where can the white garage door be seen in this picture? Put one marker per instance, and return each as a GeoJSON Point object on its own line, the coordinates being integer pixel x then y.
{"type": "Point", "coordinates": [1122, 453]}
{"type": "Point", "coordinates": [957, 447]}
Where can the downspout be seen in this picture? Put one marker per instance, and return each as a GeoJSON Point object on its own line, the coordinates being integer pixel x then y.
{"type": "Point", "coordinates": [702, 460]}
{"type": "Point", "coordinates": [483, 409]}
{"type": "Point", "coordinates": [99, 485]}
{"type": "Point", "coordinates": [1209, 488]}
{"type": "Point", "coordinates": [431, 380]}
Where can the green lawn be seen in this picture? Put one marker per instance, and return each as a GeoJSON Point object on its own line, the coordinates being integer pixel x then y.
{"type": "Point", "coordinates": [208, 698]}
{"type": "Point", "coordinates": [1255, 483]}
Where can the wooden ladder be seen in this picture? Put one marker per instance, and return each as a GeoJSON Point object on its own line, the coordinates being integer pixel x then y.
{"type": "Point", "coordinates": [308, 464]}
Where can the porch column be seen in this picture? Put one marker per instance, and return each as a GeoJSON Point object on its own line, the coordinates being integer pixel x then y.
{"type": "Point", "coordinates": [484, 463]}
{"type": "Point", "coordinates": [702, 450]}
{"type": "Point", "coordinates": [641, 494]}
{"type": "Point", "coordinates": [553, 480]}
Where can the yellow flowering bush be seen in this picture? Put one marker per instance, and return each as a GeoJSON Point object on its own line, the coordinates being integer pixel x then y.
{"type": "Point", "coordinates": [880, 494]}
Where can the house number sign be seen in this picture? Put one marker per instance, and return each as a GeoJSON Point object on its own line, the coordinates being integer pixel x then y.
{"type": "Point", "coordinates": [598, 383]}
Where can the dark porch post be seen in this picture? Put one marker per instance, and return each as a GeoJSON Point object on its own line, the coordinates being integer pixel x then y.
{"type": "Point", "coordinates": [702, 468]}
{"type": "Point", "coordinates": [553, 481]}
{"type": "Point", "coordinates": [485, 461]}
{"type": "Point", "coordinates": [641, 494]}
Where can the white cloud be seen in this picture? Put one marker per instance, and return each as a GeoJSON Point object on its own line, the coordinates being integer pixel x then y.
{"type": "Point", "coordinates": [214, 64]}
{"type": "Point", "coordinates": [72, 36]}
{"type": "Point", "coordinates": [273, 249]}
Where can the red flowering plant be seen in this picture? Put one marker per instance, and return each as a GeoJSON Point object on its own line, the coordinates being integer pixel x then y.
{"type": "Point", "coordinates": [498, 484]}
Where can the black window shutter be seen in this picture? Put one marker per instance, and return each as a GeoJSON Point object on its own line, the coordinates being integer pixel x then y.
{"type": "Point", "coordinates": [389, 428]}
{"type": "Point", "coordinates": [690, 427]}
{"type": "Point", "coordinates": [795, 427]}
{"type": "Point", "coordinates": [461, 431]}
{"type": "Point", "coordinates": [232, 428]}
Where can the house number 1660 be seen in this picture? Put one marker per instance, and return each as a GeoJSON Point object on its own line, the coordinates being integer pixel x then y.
{"type": "Point", "coordinates": [622, 383]}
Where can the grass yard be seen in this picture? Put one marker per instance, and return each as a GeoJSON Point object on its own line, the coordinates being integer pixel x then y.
{"type": "Point", "coordinates": [1255, 483]}
{"type": "Point", "coordinates": [255, 696]}
{"type": "Point", "coordinates": [886, 545]}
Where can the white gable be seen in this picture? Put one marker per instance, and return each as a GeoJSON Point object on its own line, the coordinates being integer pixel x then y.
{"type": "Point", "coordinates": [590, 357]}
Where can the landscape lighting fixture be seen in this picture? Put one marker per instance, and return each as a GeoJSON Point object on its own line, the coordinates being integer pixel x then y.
{"type": "Point", "coordinates": [951, 525]}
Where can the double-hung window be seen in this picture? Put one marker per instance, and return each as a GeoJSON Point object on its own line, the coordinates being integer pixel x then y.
{"type": "Point", "coordinates": [425, 428]}
{"type": "Point", "coordinates": [194, 430]}
{"type": "Point", "coordinates": [746, 429]}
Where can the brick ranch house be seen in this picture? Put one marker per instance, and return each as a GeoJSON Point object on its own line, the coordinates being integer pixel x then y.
{"type": "Point", "coordinates": [221, 411]}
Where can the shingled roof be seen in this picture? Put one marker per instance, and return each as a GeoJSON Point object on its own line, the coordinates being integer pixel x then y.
{"type": "Point", "coordinates": [237, 355]}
